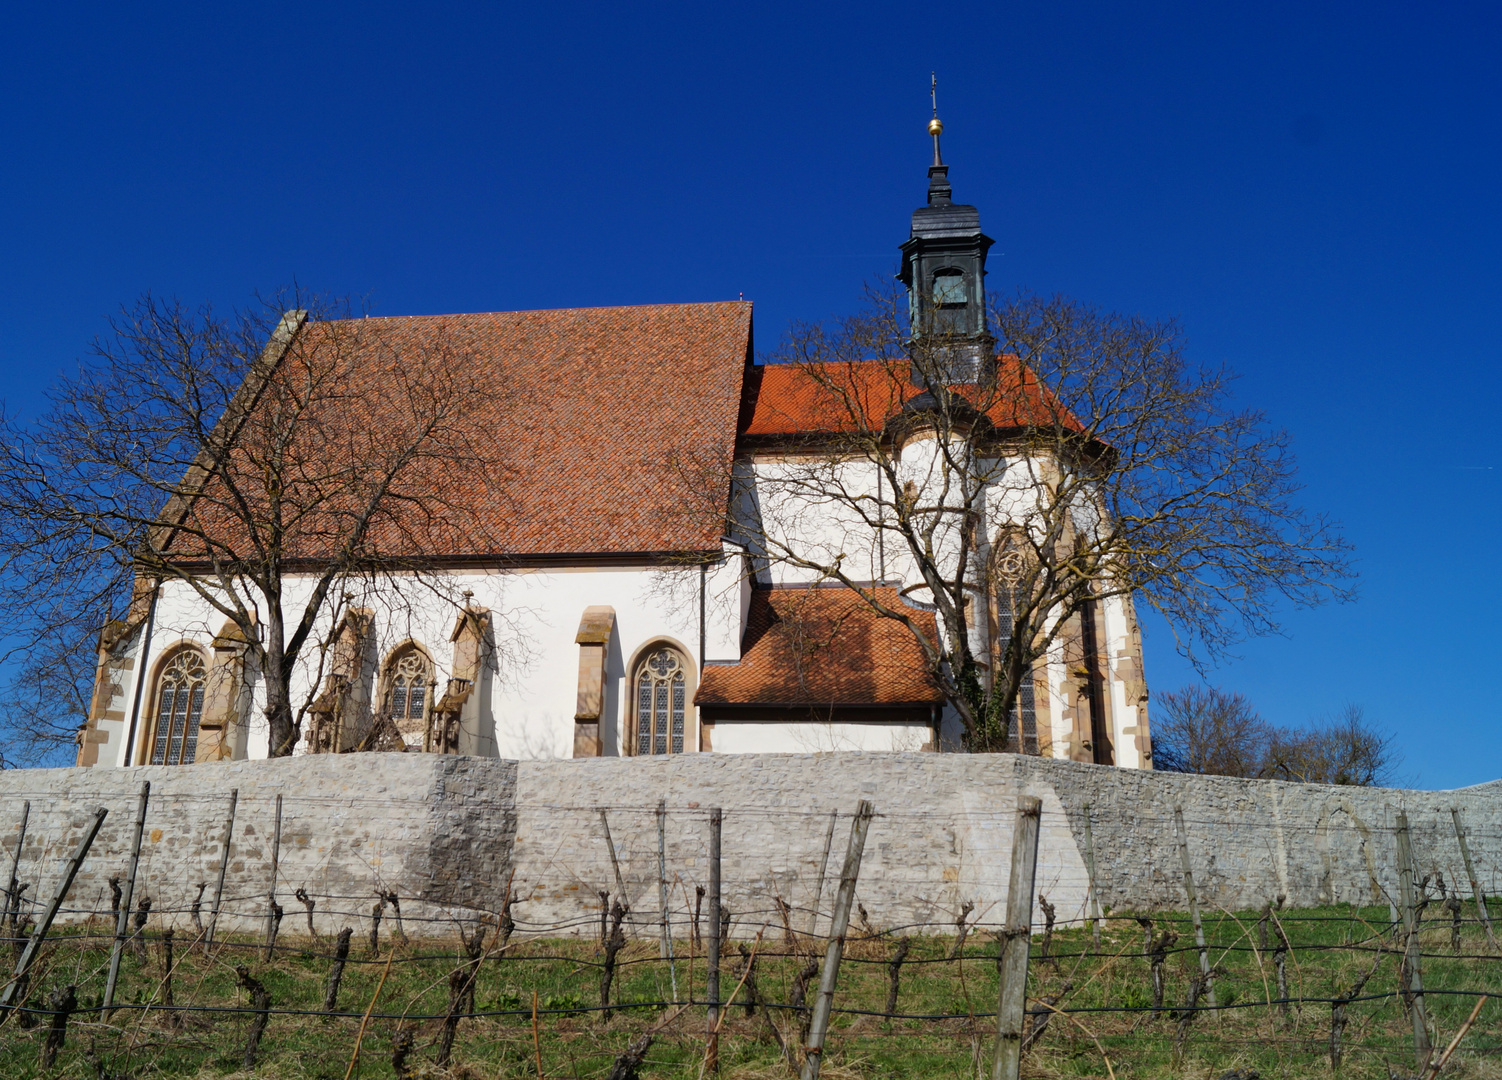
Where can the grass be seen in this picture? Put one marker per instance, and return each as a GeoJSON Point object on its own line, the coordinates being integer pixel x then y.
{"type": "Point", "coordinates": [1330, 948]}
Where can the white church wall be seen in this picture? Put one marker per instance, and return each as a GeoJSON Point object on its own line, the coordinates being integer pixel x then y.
{"type": "Point", "coordinates": [783, 492]}
{"type": "Point", "coordinates": [526, 703]}
{"type": "Point", "coordinates": [529, 697]}
{"type": "Point", "coordinates": [727, 602]}
{"type": "Point", "coordinates": [1058, 724]}
{"type": "Point", "coordinates": [734, 737]}
{"type": "Point", "coordinates": [787, 496]}
{"type": "Point", "coordinates": [795, 520]}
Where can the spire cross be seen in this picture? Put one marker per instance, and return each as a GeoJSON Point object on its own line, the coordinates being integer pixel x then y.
{"type": "Point", "coordinates": [935, 126]}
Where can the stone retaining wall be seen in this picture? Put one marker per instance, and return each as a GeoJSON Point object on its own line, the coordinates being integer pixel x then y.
{"type": "Point", "coordinates": [454, 833]}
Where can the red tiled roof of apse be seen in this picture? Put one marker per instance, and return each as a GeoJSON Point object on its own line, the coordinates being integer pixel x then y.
{"type": "Point", "coordinates": [836, 398]}
{"type": "Point", "coordinates": [575, 415]}
{"type": "Point", "coordinates": [822, 646]}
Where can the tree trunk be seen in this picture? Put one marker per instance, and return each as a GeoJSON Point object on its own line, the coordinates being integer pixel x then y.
{"type": "Point", "coordinates": [278, 677]}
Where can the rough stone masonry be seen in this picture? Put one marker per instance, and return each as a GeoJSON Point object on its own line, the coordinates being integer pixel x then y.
{"type": "Point", "coordinates": [452, 836]}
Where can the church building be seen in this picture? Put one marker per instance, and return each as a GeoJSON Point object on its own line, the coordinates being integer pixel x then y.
{"type": "Point", "coordinates": [600, 616]}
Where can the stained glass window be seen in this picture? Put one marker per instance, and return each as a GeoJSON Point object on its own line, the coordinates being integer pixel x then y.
{"type": "Point", "coordinates": [179, 709]}
{"type": "Point", "coordinates": [407, 699]}
{"type": "Point", "coordinates": [661, 703]}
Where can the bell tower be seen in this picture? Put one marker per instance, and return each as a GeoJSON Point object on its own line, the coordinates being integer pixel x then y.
{"type": "Point", "coordinates": [944, 269]}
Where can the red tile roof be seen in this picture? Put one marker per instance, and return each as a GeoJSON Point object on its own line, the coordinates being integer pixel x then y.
{"type": "Point", "coordinates": [575, 414]}
{"type": "Point", "coordinates": [822, 646]}
{"type": "Point", "coordinates": [842, 398]}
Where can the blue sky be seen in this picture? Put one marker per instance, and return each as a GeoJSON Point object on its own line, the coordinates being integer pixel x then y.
{"type": "Point", "coordinates": [1311, 189]}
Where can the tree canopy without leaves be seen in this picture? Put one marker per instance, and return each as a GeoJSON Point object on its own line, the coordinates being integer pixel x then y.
{"type": "Point", "coordinates": [1203, 729]}
{"type": "Point", "coordinates": [246, 459]}
{"type": "Point", "coordinates": [1098, 462]}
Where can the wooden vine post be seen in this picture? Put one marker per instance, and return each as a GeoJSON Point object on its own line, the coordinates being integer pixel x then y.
{"type": "Point", "coordinates": [712, 979]}
{"type": "Point", "coordinates": [1465, 856]}
{"type": "Point", "coordinates": [29, 954]}
{"type": "Point", "coordinates": [1016, 940]}
{"type": "Point", "coordinates": [663, 946]}
{"type": "Point", "coordinates": [229, 832]}
{"type": "Point", "coordinates": [813, 918]}
{"type": "Point", "coordinates": [615, 866]}
{"type": "Point", "coordinates": [813, 1050]}
{"type": "Point", "coordinates": [1094, 896]}
{"type": "Point", "coordinates": [1194, 905]}
{"type": "Point", "coordinates": [122, 920]}
{"type": "Point", "coordinates": [15, 860]}
{"type": "Point", "coordinates": [272, 914]}
{"type": "Point", "coordinates": [1412, 956]}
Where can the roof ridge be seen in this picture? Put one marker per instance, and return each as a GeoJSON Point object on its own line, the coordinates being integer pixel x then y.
{"type": "Point", "coordinates": [546, 311]}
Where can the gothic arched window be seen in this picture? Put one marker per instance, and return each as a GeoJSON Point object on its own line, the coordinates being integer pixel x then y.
{"type": "Point", "coordinates": [409, 683]}
{"type": "Point", "coordinates": [1012, 563]}
{"type": "Point", "coordinates": [660, 702]}
{"type": "Point", "coordinates": [179, 707]}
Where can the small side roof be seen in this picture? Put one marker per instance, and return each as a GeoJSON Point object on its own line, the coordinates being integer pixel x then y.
{"type": "Point", "coordinates": [822, 646]}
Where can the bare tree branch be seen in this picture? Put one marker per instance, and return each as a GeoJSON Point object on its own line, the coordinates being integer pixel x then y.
{"type": "Point", "coordinates": [1094, 464]}
{"type": "Point", "coordinates": [269, 462]}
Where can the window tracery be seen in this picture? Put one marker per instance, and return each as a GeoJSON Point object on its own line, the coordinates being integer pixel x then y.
{"type": "Point", "coordinates": [660, 704]}
{"type": "Point", "coordinates": [180, 691]}
{"type": "Point", "coordinates": [409, 688]}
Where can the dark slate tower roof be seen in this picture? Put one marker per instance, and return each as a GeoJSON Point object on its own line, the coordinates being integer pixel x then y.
{"type": "Point", "coordinates": [944, 269]}
{"type": "Point", "coordinates": [943, 217]}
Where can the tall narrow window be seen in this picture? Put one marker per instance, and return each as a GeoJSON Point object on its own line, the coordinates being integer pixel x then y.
{"type": "Point", "coordinates": [409, 682]}
{"type": "Point", "coordinates": [1102, 751]}
{"type": "Point", "coordinates": [950, 300]}
{"type": "Point", "coordinates": [1012, 578]}
{"type": "Point", "coordinates": [661, 701]}
{"type": "Point", "coordinates": [179, 709]}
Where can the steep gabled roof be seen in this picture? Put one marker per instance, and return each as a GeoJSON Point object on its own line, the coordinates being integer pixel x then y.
{"type": "Point", "coordinates": [787, 400]}
{"type": "Point", "coordinates": [822, 646]}
{"type": "Point", "coordinates": [574, 419]}
{"type": "Point", "coordinates": [603, 398]}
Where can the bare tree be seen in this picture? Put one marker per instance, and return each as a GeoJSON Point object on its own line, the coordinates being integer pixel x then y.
{"type": "Point", "coordinates": [1342, 749]}
{"type": "Point", "coordinates": [1203, 729]}
{"type": "Point", "coordinates": [48, 695]}
{"type": "Point", "coordinates": [1094, 463]}
{"type": "Point", "coordinates": [275, 464]}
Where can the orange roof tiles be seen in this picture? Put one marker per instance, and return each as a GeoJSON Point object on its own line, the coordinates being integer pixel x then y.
{"type": "Point", "coordinates": [844, 398]}
{"type": "Point", "coordinates": [566, 423]}
{"type": "Point", "coordinates": [822, 646]}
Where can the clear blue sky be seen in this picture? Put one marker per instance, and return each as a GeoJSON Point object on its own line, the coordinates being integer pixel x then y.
{"type": "Point", "coordinates": [1312, 188]}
